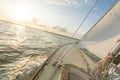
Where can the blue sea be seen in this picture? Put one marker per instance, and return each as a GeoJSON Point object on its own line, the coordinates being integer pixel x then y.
{"type": "Point", "coordinates": [24, 49]}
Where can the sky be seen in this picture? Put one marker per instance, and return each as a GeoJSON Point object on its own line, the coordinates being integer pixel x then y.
{"type": "Point", "coordinates": [66, 13]}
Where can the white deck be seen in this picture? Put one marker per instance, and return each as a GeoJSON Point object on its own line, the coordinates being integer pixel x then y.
{"type": "Point", "coordinates": [74, 56]}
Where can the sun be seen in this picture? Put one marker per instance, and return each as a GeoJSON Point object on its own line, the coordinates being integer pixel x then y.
{"type": "Point", "coordinates": [22, 13]}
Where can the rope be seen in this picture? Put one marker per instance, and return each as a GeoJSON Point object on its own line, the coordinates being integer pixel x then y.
{"type": "Point", "coordinates": [78, 29]}
{"type": "Point", "coordinates": [85, 18]}
{"type": "Point", "coordinates": [64, 54]}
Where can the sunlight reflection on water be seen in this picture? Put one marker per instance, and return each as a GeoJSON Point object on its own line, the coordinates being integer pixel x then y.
{"type": "Point", "coordinates": [23, 50]}
{"type": "Point", "coordinates": [19, 37]}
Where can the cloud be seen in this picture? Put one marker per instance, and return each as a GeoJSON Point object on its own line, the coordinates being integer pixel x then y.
{"type": "Point", "coordinates": [69, 3]}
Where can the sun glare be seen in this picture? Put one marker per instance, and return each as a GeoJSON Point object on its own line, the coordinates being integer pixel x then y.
{"type": "Point", "coordinates": [22, 14]}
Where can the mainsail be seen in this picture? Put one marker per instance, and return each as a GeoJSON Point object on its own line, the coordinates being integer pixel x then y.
{"type": "Point", "coordinates": [101, 38]}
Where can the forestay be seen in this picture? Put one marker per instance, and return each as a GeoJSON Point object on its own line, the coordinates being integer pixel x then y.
{"type": "Point", "coordinates": [104, 34]}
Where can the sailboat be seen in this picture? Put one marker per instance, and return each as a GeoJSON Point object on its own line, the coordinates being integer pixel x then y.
{"type": "Point", "coordinates": [72, 62]}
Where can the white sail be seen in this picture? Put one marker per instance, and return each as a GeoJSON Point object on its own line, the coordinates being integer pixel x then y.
{"type": "Point", "coordinates": [102, 37]}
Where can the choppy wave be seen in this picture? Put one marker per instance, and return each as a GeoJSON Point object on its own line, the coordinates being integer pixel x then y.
{"type": "Point", "coordinates": [23, 50]}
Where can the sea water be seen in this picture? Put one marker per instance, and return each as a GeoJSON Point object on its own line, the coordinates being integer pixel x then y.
{"type": "Point", "coordinates": [24, 49]}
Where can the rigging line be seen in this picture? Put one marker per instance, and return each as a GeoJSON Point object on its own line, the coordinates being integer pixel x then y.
{"type": "Point", "coordinates": [81, 24]}
{"type": "Point", "coordinates": [98, 22]}
{"type": "Point", "coordinates": [85, 18]}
